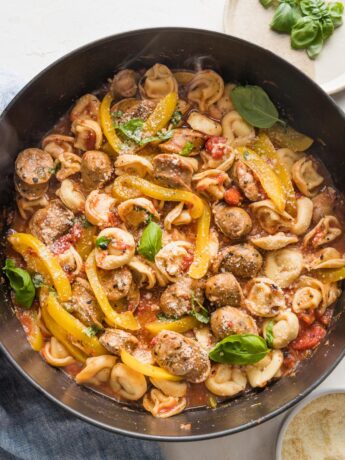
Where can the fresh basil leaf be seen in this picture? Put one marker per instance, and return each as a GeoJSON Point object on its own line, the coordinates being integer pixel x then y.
{"type": "Point", "coordinates": [103, 242]}
{"type": "Point", "coordinates": [187, 149]}
{"type": "Point", "coordinates": [285, 17]}
{"type": "Point", "coordinates": [304, 33]}
{"type": "Point", "coordinates": [38, 280]}
{"type": "Point", "coordinates": [159, 137]}
{"type": "Point", "coordinates": [21, 283]}
{"type": "Point", "coordinates": [93, 330]}
{"type": "Point", "coordinates": [266, 3]}
{"type": "Point", "coordinates": [176, 118]}
{"type": "Point", "coordinates": [315, 48]}
{"type": "Point", "coordinates": [315, 9]}
{"type": "Point", "coordinates": [132, 129]}
{"type": "Point", "coordinates": [255, 106]}
{"type": "Point", "coordinates": [202, 314]}
{"type": "Point", "coordinates": [162, 317]}
{"type": "Point", "coordinates": [326, 30]}
{"type": "Point", "coordinates": [239, 349]}
{"type": "Point", "coordinates": [336, 10]}
{"type": "Point", "coordinates": [151, 241]}
{"type": "Point", "coordinates": [117, 114]}
{"type": "Point", "coordinates": [269, 333]}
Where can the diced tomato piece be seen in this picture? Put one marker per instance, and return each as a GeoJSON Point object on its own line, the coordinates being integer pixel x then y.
{"type": "Point", "coordinates": [233, 196]}
{"type": "Point", "coordinates": [217, 147]}
{"type": "Point", "coordinates": [325, 319]}
{"type": "Point", "coordinates": [307, 317]}
{"type": "Point", "coordinates": [309, 337]}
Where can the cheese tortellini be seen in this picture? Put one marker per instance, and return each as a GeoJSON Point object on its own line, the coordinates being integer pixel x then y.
{"type": "Point", "coordinates": [237, 131]}
{"type": "Point", "coordinates": [56, 354]}
{"type": "Point", "coordinates": [261, 373]}
{"type": "Point", "coordinates": [306, 177]}
{"type": "Point", "coordinates": [226, 380]}
{"type": "Point", "coordinates": [211, 183]}
{"type": "Point", "coordinates": [284, 266]}
{"type": "Point", "coordinates": [136, 211]}
{"type": "Point", "coordinates": [174, 258]}
{"type": "Point", "coordinates": [270, 219]}
{"type": "Point", "coordinates": [326, 231]}
{"type": "Point", "coordinates": [264, 297]}
{"type": "Point", "coordinates": [97, 370]}
{"type": "Point", "coordinates": [285, 328]}
{"type": "Point", "coordinates": [119, 251]}
{"type": "Point", "coordinates": [205, 89]}
{"type": "Point", "coordinates": [127, 383]}
{"type": "Point", "coordinates": [133, 164]}
{"type": "Point", "coordinates": [161, 405]}
{"type": "Point", "coordinates": [158, 81]}
{"type": "Point", "coordinates": [99, 208]}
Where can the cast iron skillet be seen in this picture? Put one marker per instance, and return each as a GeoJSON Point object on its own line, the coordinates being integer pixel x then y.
{"type": "Point", "coordinates": [52, 92]}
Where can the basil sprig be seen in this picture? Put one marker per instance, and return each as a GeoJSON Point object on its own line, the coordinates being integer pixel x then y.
{"type": "Point", "coordinates": [239, 349]}
{"type": "Point", "coordinates": [151, 241]}
{"type": "Point", "coordinates": [21, 283]}
{"type": "Point", "coordinates": [255, 106]}
{"type": "Point", "coordinates": [133, 130]}
{"type": "Point", "coordinates": [285, 17]}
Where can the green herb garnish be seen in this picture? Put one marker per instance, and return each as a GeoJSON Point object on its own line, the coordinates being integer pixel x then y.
{"type": "Point", "coordinates": [151, 241]}
{"type": "Point", "coordinates": [163, 317]}
{"type": "Point", "coordinates": [269, 333]}
{"type": "Point", "coordinates": [160, 136]}
{"type": "Point", "coordinates": [132, 129]}
{"type": "Point", "coordinates": [176, 118]}
{"type": "Point", "coordinates": [187, 149]}
{"type": "Point", "coordinates": [239, 349]}
{"type": "Point", "coordinates": [93, 330]}
{"type": "Point", "coordinates": [38, 280]}
{"type": "Point", "coordinates": [202, 314]}
{"type": "Point", "coordinates": [21, 283]}
{"type": "Point", "coordinates": [103, 242]}
{"type": "Point", "coordinates": [255, 106]}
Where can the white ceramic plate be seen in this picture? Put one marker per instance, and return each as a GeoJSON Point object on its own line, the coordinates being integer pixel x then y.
{"type": "Point", "coordinates": [294, 412]}
{"type": "Point", "coordinates": [249, 20]}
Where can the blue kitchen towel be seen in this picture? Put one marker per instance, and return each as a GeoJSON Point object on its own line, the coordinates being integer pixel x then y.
{"type": "Point", "coordinates": [34, 428]}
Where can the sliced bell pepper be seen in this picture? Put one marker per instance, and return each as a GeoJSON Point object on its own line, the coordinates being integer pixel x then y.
{"type": "Point", "coordinates": [86, 242]}
{"type": "Point", "coordinates": [147, 369]}
{"type": "Point", "coordinates": [124, 320]}
{"type": "Point", "coordinates": [201, 260]}
{"type": "Point", "coordinates": [59, 333]}
{"type": "Point", "coordinates": [74, 327]}
{"type": "Point", "coordinates": [31, 247]}
{"type": "Point", "coordinates": [286, 137]}
{"type": "Point", "coordinates": [264, 147]}
{"type": "Point", "coordinates": [125, 185]}
{"type": "Point", "coordinates": [330, 275]}
{"type": "Point", "coordinates": [107, 124]}
{"type": "Point", "coordinates": [179, 325]}
{"type": "Point", "coordinates": [161, 115]}
{"type": "Point", "coordinates": [267, 177]}
{"type": "Point", "coordinates": [30, 323]}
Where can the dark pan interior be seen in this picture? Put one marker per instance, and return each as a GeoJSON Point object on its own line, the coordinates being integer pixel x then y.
{"type": "Point", "coordinates": [50, 94]}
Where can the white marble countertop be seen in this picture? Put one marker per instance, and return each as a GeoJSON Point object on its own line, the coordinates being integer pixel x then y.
{"type": "Point", "coordinates": [33, 34]}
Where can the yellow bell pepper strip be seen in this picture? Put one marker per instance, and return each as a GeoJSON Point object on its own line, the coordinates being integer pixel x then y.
{"type": "Point", "coordinates": [161, 115]}
{"type": "Point", "coordinates": [30, 246]}
{"type": "Point", "coordinates": [107, 124]}
{"type": "Point", "coordinates": [74, 327]}
{"type": "Point", "coordinates": [86, 242]}
{"type": "Point", "coordinates": [61, 336]}
{"type": "Point", "coordinates": [124, 320]}
{"type": "Point", "coordinates": [30, 323]}
{"type": "Point", "coordinates": [264, 147]}
{"type": "Point", "coordinates": [267, 177]}
{"type": "Point", "coordinates": [124, 185]}
{"type": "Point", "coordinates": [147, 369]}
{"type": "Point", "coordinates": [330, 275]}
{"type": "Point", "coordinates": [179, 325]}
{"type": "Point", "coordinates": [286, 137]}
{"type": "Point", "coordinates": [201, 260]}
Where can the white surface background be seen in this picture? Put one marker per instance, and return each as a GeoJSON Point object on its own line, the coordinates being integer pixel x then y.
{"type": "Point", "coordinates": [34, 33]}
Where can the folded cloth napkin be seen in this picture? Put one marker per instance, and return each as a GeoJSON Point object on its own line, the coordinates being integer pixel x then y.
{"type": "Point", "coordinates": [34, 428]}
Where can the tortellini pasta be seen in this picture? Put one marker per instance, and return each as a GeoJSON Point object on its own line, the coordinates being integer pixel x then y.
{"type": "Point", "coordinates": [125, 83]}
{"type": "Point", "coordinates": [270, 219]}
{"type": "Point", "coordinates": [136, 211]}
{"type": "Point", "coordinates": [174, 258]}
{"type": "Point", "coordinates": [120, 248]}
{"type": "Point", "coordinates": [132, 164]}
{"type": "Point", "coordinates": [211, 183]}
{"type": "Point", "coordinates": [169, 388]}
{"type": "Point", "coordinates": [288, 158]}
{"type": "Point", "coordinates": [97, 370]}
{"type": "Point", "coordinates": [88, 134]}
{"type": "Point", "coordinates": [27, 207]}
{"type": "Point", "coordinates": [285, 329]}
{"type": "Point", "coordinates": [57, 144]}
{"type": "Point", "coordinates": [264, 297]}
{"type": "Point", "coordinates": [99, 208]}
{"type": "Point", "coordinates": [70, 164]}
{"type": "Point", "coordinates": [177, 216]}
{"type": "Point", "coordinates": [236, 130]}
{"type": "Point", "coordinates": [304, 216]}
{"type": "Point", "coordinates": [71, 196]}
{"type": "Point", "coordinates": [161, 405]}
{"type": "Point", "coordinates": [157, 82]}
{"type": "Point", "coordinates": [205, 125]}
{"type": "Point", "coordinates": [56, 354]}
{"type": "Point", "coordinates": [145, 275]}
{"type": "Point", "coordinates": [226, 380]}
{"type": "Point", "coordinates": [224, 104]}
{"type": "Point", "coordinates": [327, 258]}
{"type": "Point", "coordinates": [205, 89]}
{"type": "Point", "coordinates": [86, 107]}
{"type": "Point", "coordinates": [306, 177]}
{"type": "Point", "coordinates": [284, 266]}
{"type": "Point", "coordinates": [71, 261]}
{"type": "Point", "coordinates": [127, 383]}
{"type": "Point", "coordinates": [261, 373]}
{"type": "Point", "coordinates": [310, 294]}
{"type": "Point", "coordinates": [273, 242]}
{"type": "Point", "coordinates": [326, 231]}
{"type": "Point", "coordinates": [223, 164]}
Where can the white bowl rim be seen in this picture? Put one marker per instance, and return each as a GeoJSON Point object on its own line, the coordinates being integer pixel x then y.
{"type": "Point", "coordinates": [286, 422]}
